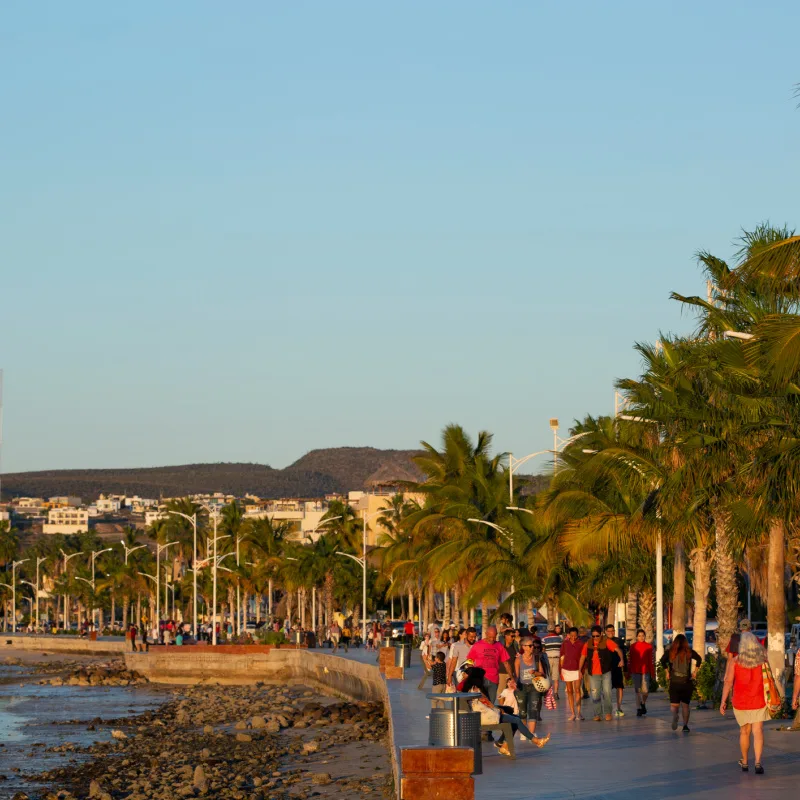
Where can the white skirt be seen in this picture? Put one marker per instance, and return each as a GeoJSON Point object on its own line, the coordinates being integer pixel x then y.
{"type": "Point", "coordinates": [570, 675]}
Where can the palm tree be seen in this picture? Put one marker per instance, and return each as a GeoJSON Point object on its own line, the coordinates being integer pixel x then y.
{"type": "Point", "coordinates": [265, 539]}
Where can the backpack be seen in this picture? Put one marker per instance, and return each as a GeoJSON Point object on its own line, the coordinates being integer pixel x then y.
{"type": "Point", "coordinates": [681, 669]}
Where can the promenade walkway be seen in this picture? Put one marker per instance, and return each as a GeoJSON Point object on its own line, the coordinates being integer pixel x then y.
{"type": "Point", "coordinates": [627, 759]}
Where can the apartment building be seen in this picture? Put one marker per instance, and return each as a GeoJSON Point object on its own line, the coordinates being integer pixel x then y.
{"type": "Point", "coordinates": [66, 520]}
{"type": "Point", "coordinates": [304, 515]}
{"type": "Point", "coordinates": [64, 501]}
{"type": "Point", "coordinates": [108, 505]}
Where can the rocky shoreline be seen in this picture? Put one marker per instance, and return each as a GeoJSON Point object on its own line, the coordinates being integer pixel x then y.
{"type": "Point", "coordinates": [232, 742]}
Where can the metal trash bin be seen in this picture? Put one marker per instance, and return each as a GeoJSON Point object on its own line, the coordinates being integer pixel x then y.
{"type": "Point", "coordinates": [311, 639]}
{"type": "Point", "coordinates": [298, 637]}
{"type": "Point", "coordinates": [440, 732]}
{"type": "Point", "coordinates": [402, 655]}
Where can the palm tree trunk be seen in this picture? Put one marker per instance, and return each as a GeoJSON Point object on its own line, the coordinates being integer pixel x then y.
{"type": "Point", "coordinates": [456, 607]}
{"type": "Point", "coordinates": [701, 567]}
{"type": "Point", "coordinates": [529, 615]}
{"type": "Point", "coordinates": [125, 604]}
{"type": "Point", "coordinates": [446, 615]}
{"type": "Point", "coordinates": [356, 618]}
{"type": "Point", "coordinates": [631, 616]}
{"type": "Point", "coordinates": [328, 591]}
{"type": "Point", "coordinates": [269, 599]}
{"type": "Point", "coordinates": [776, 598]}
{"type": "Point", "coordinates": [727, 589]}
{"type": "Point", "coordinates": [113, 609]}
{"type": "Point", "coordinates": [139, 611]}
{"type": "Point", "coordinates": [484, 617]}
{"type": "Point", "coordinates": [647, 610]}
{"type": "Point", "coordinates": [679, 590]}
{"type": "Point", "coordinates": [411, 606]}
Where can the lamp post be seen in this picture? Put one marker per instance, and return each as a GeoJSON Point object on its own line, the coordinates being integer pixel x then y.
{"type": "Point", "coordinates": [513, 463]}
{"type": "Point", "coordinates": [314, 588]}
{"type": "Point", "coordinates": [96, 553]}
{"type": "Point", "coordinates": [155, 580]}
{"type": "Point", "coordinates": [39, 562]}
{"type": "Point", "coordinates": [14, 565]}
{"type": "Point", "coordinates": [66, 596]}
{"type": "Point", "coordinates": [30, 600]}
{"type": "Point", "coordinates": [193, 520]}
{"type": "Point", "coordinates": [129, 550]}
{"type": "Point", "coordinates": [506, 533]}
{"type": "Point", "coordinates": [159, 548]}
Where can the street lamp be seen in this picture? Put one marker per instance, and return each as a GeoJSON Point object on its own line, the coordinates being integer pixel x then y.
{"type": "Point", "coordinates": [14, 565]}
{"type": "Point", "coordinates": [514, 463]}
{"type": "Point", "coordinates": [129, 550]}
{"type": "Point", "coordinates": [363, 562]}
{"type": "Point", "coordinates": [33, 586]}
{"type": "Point", "coordinates": [159, 548]}
{"type": "Point", "coordinates": [96, 553]}
{"type": "Point", "coordinates": [193, 520]}
{"type": "Point", "coordinates": [39, 561]}
{"type": "Point", "coordinates": [511, 543]}
{"type": "Point", "coordinates": [314, 588]}
{"type": "Point", "coordinates": [66, 596]}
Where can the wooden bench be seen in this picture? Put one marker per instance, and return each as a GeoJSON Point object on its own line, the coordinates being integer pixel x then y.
{"type": "Point", "coordinates": [506, 729]}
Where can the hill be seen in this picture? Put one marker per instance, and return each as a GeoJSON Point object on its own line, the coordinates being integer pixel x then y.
{"type": "Point", "coordinates": [319, 472]}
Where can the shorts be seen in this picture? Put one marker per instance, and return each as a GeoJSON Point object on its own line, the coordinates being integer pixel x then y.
{"type": "Point", "coordinates": [570, 675]}
{"type": "Point", "coordinates": [640, 681]}
{"type": "Point", "coordinates": [747, 716]}
{"type": "Point", "coordinates": [681, 692]}
{"type": "Point", "coordinates": [617, 678]}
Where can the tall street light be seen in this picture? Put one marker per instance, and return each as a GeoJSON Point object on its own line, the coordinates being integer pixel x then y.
{"type": "Point", "coordinates": [129, 550]}
{"type": "Point", "coordinates": [33, 586]}
{"type": "Point", "coordinates": [514, 463]}
{"type": "Point", "coordinates": [14, 565]}
{"type": "Point", "coordinates": [39, 562]}
{"type": "Point", "coordinates": [193, 520]}
{"type": "Point", "coordinates": [159, 548]}
{"type": "Point", "coordinates": [66, 596]}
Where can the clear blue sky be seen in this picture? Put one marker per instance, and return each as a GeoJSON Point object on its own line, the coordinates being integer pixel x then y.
{"type": "Point", "coordinates": [242, 231]}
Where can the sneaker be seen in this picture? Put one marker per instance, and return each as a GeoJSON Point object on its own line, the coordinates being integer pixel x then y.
{"type": "Point", "coordinates": [686, 729]}
{"type": "Point", "coordinates": [597, 719]}
{"type": "Point", "coordinates": [580, 718]}
{"type": "Point", "coordinates": [608, 717]}
{"type": "Point", "coordinates": [639, 712]}
{"type": "Point", "coordinates": [541, 741]}
{"type": "Point", "coordinates": [644, 710]}
{"type": "Point", "coordinates": [620, 712]}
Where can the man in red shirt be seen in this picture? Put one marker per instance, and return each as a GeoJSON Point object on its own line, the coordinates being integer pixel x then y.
{"type": "Point", "coordinates": [490, 656]}
{"type": "Point", "coordinates": [408, 630]}
{"type": "Point", "coordinates": [570, 661]}
{"type": "Point", "coordinates": [602, 654]}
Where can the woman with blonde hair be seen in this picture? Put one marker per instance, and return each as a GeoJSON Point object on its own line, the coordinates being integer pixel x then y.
{"type": "Point", "coordinates": [744, 677]}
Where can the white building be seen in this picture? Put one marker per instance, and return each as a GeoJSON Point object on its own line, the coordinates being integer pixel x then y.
{"type": "Point", "coordinates": [66, 520]}
{"type": "Point", "coordinates": [65, 500]}
{"type": "Point", "coordinates": [151, 516]}
{"type": "Point", "coordinates": [108, 505]}
{"type": "Point", "coordinates": [305, 515]}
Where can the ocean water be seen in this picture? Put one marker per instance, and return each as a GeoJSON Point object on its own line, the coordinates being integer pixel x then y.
{"type": "Point", "coordinates": [28, 713]}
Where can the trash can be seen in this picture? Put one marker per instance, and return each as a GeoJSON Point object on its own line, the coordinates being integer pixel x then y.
{"type": "Point", "coordinates": [298, 637]}
{"type": "Point", "coordinates": [402, 655]}
{"type": "Point", "coordinates": [311, 639]}
{"type": "Point", "coordinates": [441, 729]}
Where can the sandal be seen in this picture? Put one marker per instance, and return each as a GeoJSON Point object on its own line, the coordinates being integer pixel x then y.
{"type": "Point", "coordinates": [759, 769]}
{"type": "Point", "coordinates": [743, 765]}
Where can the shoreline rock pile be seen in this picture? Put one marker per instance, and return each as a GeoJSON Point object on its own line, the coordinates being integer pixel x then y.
{"type": "Point", "coordinates": [110, 674]}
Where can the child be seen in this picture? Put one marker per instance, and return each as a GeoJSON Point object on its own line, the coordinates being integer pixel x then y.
{"type": "Point", "coordinates": [439, 672]}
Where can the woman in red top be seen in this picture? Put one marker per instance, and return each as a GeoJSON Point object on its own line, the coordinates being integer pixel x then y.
{"type": "Point", "coordinates": [641, 666]}
{"type": "Point", "coordinates": [744, 676]}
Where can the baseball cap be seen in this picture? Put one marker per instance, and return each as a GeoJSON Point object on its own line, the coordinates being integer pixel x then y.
{"type": "Point", "coordinates": [744, 625]}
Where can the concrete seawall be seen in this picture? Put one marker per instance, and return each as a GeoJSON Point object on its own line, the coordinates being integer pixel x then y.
{"type": "Point", "coordinates": [62, 644]}
{"type": "Point", "coordinates": [350, 679]}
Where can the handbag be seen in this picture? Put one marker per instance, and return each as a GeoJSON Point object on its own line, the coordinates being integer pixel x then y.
{"type": "Point", "coordinates": [772, 696]}
{"type": "Point", "coordinates": [550, 700]}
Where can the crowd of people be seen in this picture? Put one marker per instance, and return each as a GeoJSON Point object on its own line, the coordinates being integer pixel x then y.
{"type": "Point", "coordinates": [516, 672]}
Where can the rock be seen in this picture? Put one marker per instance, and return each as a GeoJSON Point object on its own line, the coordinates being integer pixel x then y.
{"type": "Point", "coordinates": [118, 735]}
{"type": "Point", "coordinates": [94, 789]}
{"type": "Point", "coordinates": [321, 779]}
{"type": "Point", "coordinates": [258, 722]}
{"type": "Point", "coordinates": [200, 782]}
{"type": "Point", "coordinates": [205, 754]}
{"type": "Point", "coordinates": [244, 737]}
{"type": "Point", "coordinates": [241, 725]}
{"type": "Point", "coordinates": [257, 781]}
{"type": "Point", "coordinates": [273, 726]}
{"type": "Point", "coordinates": [208, 729]}
{"type": "Point", "coordinates": [311, 747]}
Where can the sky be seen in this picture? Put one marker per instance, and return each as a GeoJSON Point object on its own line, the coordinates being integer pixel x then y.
{"type": "Point", "coordinates": [239, 232]}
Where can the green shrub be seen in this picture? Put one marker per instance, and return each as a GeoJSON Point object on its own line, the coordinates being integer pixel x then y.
{"type": "Point", "coordinates": [273, 638]}
{"type": "Point", "coordinates": [706, 680]}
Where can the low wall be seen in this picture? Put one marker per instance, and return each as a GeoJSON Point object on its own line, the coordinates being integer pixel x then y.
{"type": "Point", "coordinates": [62, 644]}
{"type": "Point", "coordinates": [190, 665]}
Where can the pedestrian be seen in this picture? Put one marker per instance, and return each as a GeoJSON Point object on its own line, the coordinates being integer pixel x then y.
{"type": "Point", "coordinates": [642, 668]}
{"type": "Point", "coordinates": [583, 636]}
{"type": "Point", "coordinates": [570, 662]}
{"type": "Point", "coordinates": [459, 653]}
{"type": "Point", "coordinates": [426, 657]}
{"type": "Point", "coordinates": [336, 635]}
{"type": "Point", "coordinates": [681, 664]}
{"type": "Point", "coordinates": [532, 676]}
{"type": "Point", "coordinates": [494, 715]}
{"type": "Point", "coordinates": [346, 635]}
{"type": "Point", "coordinates": [619, 669]}
{"type": "Point", "coordinates": [601, 654]}
{"type": "Point", "coordinates": [408, 631]}
{"type": "Point", "coordinates": [132, 637]}
{"type": "Point", "coordinates": [490, 656]}
{"type": "Point", "coordinates": [378, 634]}
{"type": "Point", "coordinates": [796, 690]}
{"type": "Point", "coordinates": [439, 672]}
{"type": "Point", "coordinates": [744, 678]}
{"type": "Point", "coordinates": [513, 649]}
{"type": "Point", "coordinates": [552, 642]}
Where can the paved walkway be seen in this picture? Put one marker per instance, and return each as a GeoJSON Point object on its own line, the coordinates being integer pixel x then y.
{"type": "Point", "coordinates": [627, 759]}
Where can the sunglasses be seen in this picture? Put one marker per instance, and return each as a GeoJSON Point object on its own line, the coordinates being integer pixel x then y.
{"type": "Point", "coordinates": [527, 645]}
{"type": "Point", "coordinates": [595, 636]}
